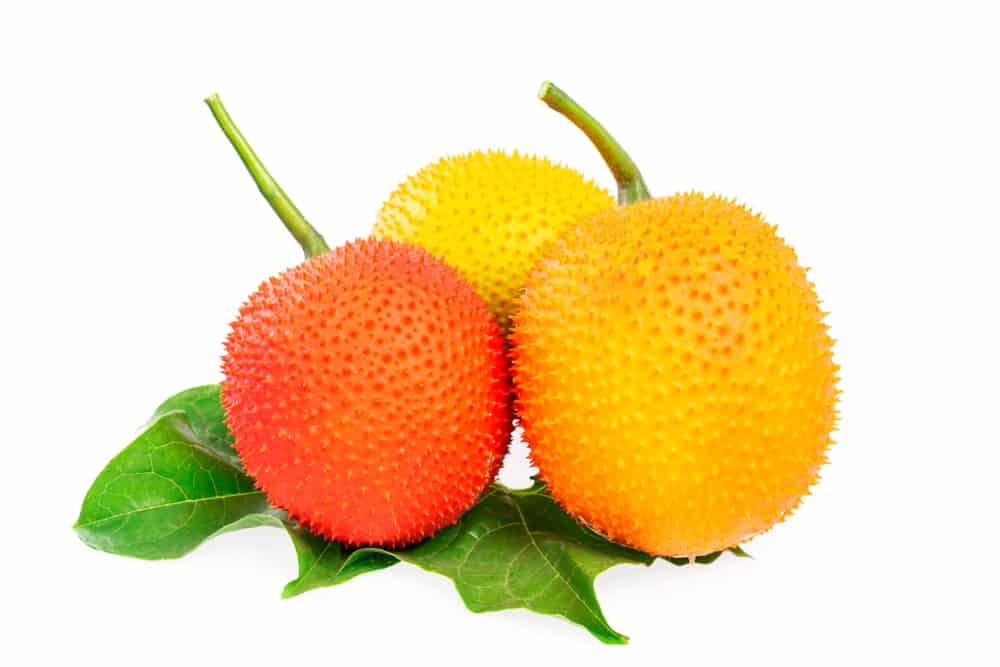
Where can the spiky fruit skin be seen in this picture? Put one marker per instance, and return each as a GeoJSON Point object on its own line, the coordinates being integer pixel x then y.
{"type": "Point", "coordinates": [368, 393]}
{"type": "Point", "coordinates": [489, 214]}
{"type": "Point", "coordinates": [674, 375]}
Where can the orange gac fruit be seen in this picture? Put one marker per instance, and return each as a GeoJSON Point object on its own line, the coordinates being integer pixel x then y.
{"type": "Point", "coordinates": [368, 393]}
{"type": "Point", "coordinates": [674, 375]}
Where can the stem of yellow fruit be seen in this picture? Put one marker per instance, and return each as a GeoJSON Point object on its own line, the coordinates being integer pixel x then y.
{"type": "Point", "coordinates": [631, 186]}
{"type": "Point", "coordinates": [312, 241]}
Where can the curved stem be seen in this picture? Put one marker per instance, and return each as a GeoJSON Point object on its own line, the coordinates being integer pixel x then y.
{"type": "Point", "coordinates": [312, 241]}
{"type": "Point", "coordinates": [631, 186]}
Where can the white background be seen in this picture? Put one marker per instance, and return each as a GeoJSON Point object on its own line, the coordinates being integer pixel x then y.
{"type": "Point", "coordinates": [130, 234]}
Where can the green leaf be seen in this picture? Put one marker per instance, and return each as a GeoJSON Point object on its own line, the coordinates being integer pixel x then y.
{"type": "Point", "coordinates": [177, 484]}
{"type": "Point", "coordinates": [203, 407]}
{"type": "Point", "coordinates": [324, 563]}
{"type": "Point", "coordinates": [517, 548]}
{"type": "Point", "coordinates": [514, 549]}
{"type": "Point", "coordinates": [180, 482]}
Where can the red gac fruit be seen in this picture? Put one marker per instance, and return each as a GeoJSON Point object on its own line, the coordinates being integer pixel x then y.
{"type": "Point", "coordinates": [368, 392]}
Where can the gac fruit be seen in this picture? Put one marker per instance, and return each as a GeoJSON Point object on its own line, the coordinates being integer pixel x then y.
{"type": "Point", "coordinates": [674, 375]}
{"type": "Point", "coordinates": [489, 214]}
{"type": "Point", "coordinates": [367, 388]}
{"type": "Point", "coordinates": [368, 393]}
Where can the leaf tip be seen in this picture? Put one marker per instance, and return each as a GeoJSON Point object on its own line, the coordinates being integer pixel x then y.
{"type": "Point", "coordinates": [613, 638]}
{"type": "Point", "coordinates": [82, 531]}
{"type": "Point", "coordinates": [739, 552]}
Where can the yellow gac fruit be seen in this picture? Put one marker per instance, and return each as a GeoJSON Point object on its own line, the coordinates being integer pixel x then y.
{"type": "Point", "coordinates": [489, 214]}
{"type": "Point", "coordinates": [674, 375]}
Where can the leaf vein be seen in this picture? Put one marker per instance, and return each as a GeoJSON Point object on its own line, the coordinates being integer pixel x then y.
{"type": "Point", "coordinates": [150, 508]}
{"type": "Point", "coordinates": [527, 529]}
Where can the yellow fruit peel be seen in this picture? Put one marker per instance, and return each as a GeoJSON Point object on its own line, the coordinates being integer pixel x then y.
{"type": "Point", "coordinates": [489, 214]}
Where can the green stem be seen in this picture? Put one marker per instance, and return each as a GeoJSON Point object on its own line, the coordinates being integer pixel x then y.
{"type": "Point", "coordinates": [631, 186]}
{"type": "Point", "coordinates": [311, 241]}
